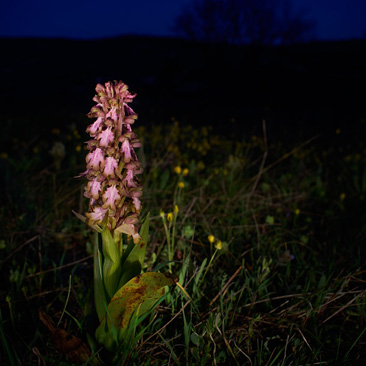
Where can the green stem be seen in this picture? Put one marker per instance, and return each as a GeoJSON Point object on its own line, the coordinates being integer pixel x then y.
{"type": "Point", "coordinates": [208, 266]}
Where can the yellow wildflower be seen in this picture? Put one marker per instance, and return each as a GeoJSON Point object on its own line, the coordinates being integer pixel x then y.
{"type": "Point", "coordinates": [170, 216]}
{"type": "Point", "coordinates": [162, 214]}
{"type": "Point", "coordinates": [218, 245]}
{"type": "Point", "coordinates": [185, 171]}
{"type": "Point", "coordinates": [176, 209]}
{"type": "Point", "coordinates": [78, 148]}
{"type": "Point", "coordinates": [181, 184]}
{"type": "Point", "coordinates": [178, 169]}
{"type": "Point", "coordinates": [297, 212]}
{"type": "Point", "coordinates": [342, 196]}
{"type": "Point", "coordinates": [211, 238]}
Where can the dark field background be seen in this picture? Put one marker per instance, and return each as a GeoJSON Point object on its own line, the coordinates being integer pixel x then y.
{"type": "Point", "coordinates": [300, 90]}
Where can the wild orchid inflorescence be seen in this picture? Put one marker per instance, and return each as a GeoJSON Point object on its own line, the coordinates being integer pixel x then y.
{"type": "Point", "coordinates": [112, 165]}
{"type": "Point", "coordinates": [121, 291]}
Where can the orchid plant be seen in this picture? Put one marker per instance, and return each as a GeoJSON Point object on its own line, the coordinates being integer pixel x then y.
{"type": "Point", "coordinates": [121, 292]}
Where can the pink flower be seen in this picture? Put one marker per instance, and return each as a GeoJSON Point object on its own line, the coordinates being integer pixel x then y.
{"type": "Point", "coordinates": [110, 197]}
{"type": "Point", "coordinates": [129, 179]}
{"type": "Point", "coordinates": [97, 215]}
{"type": "Point", "coordinates": [126, 150]}
{"type": "Point", "coordinates": [95, 159]}
{"type": "Point", "coordinates": [106, 137]}
{"type": "Point", "coordinates": [113, 114]}
{"type": "Point", "coordinates": [137, 203]}
{"type": "Point", "coordinates": [94, 187]}
{"type": "Point", "coordinates": [109, 167]}
{"type": "Point", "coordinates": [93, 128]}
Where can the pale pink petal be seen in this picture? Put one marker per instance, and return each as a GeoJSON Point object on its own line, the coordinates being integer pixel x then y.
{"type": "Point", "coordinates": [110, 197]}
{"type": "Point", "coordinates": [93, 128]}
{"type": "Point", "coordinates": [97, 215]}
{"type": "Point", "coordinates": [95, 159]}
{"type": "Point", "coordinates": [106, 137]}
{"type": "Point", "coordinates": [129, 179]}
{"type": "Point", "coordinates": [109, 167]}
{"type": "Point", "coordinates": [126, 150]}
{"type": "Point", "coordinates": [112, 114]}
{"type": "Point", "coordinates": [137, 203]}
{"type": "Point", "coordinates": [94, 187]}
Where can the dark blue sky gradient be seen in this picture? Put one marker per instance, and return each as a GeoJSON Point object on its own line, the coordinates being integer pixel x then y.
{"type": "Point", "coordinates": [87, 19]}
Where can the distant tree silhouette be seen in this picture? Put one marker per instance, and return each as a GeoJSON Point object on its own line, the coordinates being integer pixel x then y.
{"type": "Point", "coordinates": [257, 22]}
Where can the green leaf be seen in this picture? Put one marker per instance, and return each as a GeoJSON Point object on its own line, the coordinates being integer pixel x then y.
{"type": "Point", "coordinates": [134, 258]}
{"type": "Point", "coordinates": [195, 338]}
{"type": "Point", "coordinates": [111, 264]}
{"type": "Point", "coordinates": [135, 298]}
{"type": "Point", "coordinates": [100, 299]}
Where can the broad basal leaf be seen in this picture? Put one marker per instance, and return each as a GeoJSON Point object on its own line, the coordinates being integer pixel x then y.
{"type": "Point", "coordinates": [135, 298]}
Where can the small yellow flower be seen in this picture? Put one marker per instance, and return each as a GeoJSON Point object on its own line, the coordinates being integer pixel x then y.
{"type": "Point", "coordinates": [170, 216]}
{"type": "Point", "coordinates": [176, 209]}
{"type": "Point", "coordinates": [178, 169]}
{"type": "Point", "coordinates": [4, 156]}
{"type": "Point", "coordinates": [297, 212]}
{"type": "Point", "coordinates": [211, 239]}
{"type": "Point", "coordinates": [162, 214]}
{"type": "Point", "coordinates": [218, 245]}
{"type": "Point", "coordinates": [342, 196]}
{"type": "Point", "coordinates": [78, 148]}
{"type": "Point", "coordinates": [338, 131]}
{"type": "Point", "coordinates": [185, 172]}
{"type": "Point", "coordinates": [181, 185]}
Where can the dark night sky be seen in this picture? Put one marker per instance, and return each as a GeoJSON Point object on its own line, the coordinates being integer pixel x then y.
{"type": "Point", "coordinates": [83, 19]}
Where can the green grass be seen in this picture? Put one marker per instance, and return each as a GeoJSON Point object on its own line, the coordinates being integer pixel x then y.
{"type": "Point", "coordinates": [287, 287]}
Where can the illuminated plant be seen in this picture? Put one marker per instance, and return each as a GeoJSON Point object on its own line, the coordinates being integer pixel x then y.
{"type": "Point", "coordinates": [121, 292]}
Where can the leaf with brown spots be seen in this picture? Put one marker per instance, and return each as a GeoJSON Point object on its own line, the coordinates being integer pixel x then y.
{"type": "Point", "coordinates": [135, 298]}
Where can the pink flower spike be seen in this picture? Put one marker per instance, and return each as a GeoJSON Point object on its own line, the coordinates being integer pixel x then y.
{"type": "Point", "coordinates": [110, 197]}
{"type": "Point", "coordinates": [126, 150]}
{"type": "Point", "coordinates": [109, 167]}
{"type": "Point", "coordinates": [106, 137]}
{"type": "Point", "coordinates": [95, 159]}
